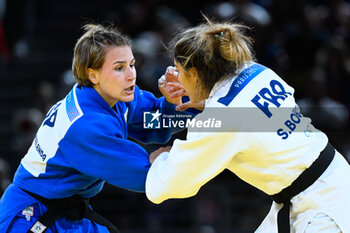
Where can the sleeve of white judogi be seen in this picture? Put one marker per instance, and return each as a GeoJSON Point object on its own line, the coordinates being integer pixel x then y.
{"type": "Point", "coordinates": [190, 164]}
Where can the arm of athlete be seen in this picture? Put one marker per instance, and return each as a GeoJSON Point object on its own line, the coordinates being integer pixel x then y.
{"type": "Point", "coordinates": [182, 171]}
{"type": "Point", "coordinates": [94, 148]}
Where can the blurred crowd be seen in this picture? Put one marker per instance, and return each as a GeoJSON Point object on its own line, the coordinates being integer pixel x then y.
{"type": "Point", "coordinates": [306, 42]}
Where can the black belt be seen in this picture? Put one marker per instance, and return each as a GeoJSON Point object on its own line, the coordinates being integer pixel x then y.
{"type": "Point", "coordinates": [73, 208]}
{"type": "Point", "coordinates": [304, 180]}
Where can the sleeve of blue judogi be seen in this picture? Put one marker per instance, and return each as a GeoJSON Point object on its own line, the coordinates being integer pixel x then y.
{"type": "Point", "coordinates": [98, 148]}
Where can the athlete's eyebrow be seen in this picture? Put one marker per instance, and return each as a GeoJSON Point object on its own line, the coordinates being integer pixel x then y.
{"type": "Point", "coordinates": [116, 62]}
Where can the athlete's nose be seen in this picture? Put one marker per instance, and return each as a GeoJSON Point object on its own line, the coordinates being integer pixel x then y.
{"type": "Point", "coordinates": [131, 74]}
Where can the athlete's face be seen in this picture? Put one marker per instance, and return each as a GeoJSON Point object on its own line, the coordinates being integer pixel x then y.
{"type": "Point", "coordinates": [115, 80]}
{"type": "Point", "coordinates": [191, 83]}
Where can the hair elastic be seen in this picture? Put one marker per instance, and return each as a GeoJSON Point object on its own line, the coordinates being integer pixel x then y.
{"type": "Point", "coordinates": [219, 36]}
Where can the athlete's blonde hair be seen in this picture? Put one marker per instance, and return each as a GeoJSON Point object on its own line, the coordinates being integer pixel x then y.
{"type": "Point", "coordinates": [216, 50]}
{"type": "Point", "coordinates": [90, 49]}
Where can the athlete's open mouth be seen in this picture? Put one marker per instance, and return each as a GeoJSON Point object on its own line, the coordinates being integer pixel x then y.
{"type": "Point", "coordinates": [130, 89]}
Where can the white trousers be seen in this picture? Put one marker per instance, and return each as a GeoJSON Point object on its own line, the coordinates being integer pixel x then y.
{"type": "Point", "coordinates": [323, 207]}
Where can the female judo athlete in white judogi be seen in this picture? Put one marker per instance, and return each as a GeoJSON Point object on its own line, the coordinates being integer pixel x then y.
{"type": "Point", "coordinates": [288, 159]}
{"type": "Point", "coordinates": [82, 143]}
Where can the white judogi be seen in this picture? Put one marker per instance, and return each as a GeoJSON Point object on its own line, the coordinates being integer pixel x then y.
{"type": "Point", "coordinates": [266, 142]}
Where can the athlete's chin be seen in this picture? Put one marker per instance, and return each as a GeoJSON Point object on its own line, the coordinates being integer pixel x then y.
{"type": "Point", "coordinates": [127, 98]}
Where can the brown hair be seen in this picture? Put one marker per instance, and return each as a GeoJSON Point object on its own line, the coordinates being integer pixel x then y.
{"type": "Point", "coordinates": [216, 50]}
{"type": "Point", "coordinates": [90, 49]}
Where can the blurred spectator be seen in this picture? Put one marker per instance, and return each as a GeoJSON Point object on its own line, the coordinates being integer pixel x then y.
{"type": "Point", "coordinates": [327, 114]}
{"type": "Point", "coordinates": [66, 83]}
{"type": "Point", "coordinates": [44, 96]}
{"type": "Point", "coordinates": [243, 10]}
{"type": "Point", "coordinates": [337, 65]}
{"type": "Point", "coordinates": [150, 47]}
{"type": "Point", "coordinates": [26, 120]}
{"type": "Point", "coordinates": [25, 124]}
{"type": "Point", "coordinates": [169, 22]}
{"type": "Point", "coordinates": [146, 49]}
{"type": "Point", "coordinates": [4, 175]}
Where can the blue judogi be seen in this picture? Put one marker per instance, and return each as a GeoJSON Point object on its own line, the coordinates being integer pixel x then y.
{"type": "Point", "coordinates": [81, 144]}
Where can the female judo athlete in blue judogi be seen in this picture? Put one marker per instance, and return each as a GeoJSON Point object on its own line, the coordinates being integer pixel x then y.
{"type": "Point", "coordinates": [82, 143]}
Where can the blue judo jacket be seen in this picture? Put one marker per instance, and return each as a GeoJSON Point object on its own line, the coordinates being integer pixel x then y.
{"type": "Point", "coordinates": [81, 144]}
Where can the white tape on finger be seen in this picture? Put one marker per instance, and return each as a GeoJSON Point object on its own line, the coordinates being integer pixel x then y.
{"type": "Point", "coordinates": [161, 81]}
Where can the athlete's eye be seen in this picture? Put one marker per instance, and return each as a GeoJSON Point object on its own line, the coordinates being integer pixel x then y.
{"type": "Point", "coordinates": [119, 68]}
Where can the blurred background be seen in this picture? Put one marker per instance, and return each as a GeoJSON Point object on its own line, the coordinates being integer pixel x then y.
{"type": "Point", "coordinates": [306, 42]}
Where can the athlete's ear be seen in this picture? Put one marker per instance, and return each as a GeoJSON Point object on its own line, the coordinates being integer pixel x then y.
{"type": "Point", "coordinates": [92, 75]}
{"type": "Point", "coordinates": [193, 72]}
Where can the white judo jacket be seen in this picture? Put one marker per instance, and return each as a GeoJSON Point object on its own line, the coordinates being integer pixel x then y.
{"type": "Point", "coordinates": [265, 140]}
